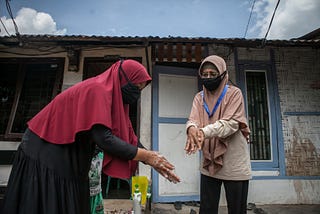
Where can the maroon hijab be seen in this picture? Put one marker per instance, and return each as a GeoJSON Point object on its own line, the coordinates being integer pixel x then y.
{"type": "Point", "coordinates": [97, 100]}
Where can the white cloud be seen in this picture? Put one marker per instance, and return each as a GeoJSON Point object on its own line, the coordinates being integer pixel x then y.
{"type": "Point", "coordinates": [293, 18]}
{"type": "Point", "coordinates": [29, 21]}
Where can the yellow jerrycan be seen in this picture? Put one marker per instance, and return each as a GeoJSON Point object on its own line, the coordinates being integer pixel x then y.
{"type": "Point", "coordinates": [142, 181]}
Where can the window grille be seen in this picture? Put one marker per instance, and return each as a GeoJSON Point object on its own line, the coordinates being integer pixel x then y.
{"type": "Point", "coordinates": [258, 115]}
{"type": "Point", "coordinates": [26, 86]}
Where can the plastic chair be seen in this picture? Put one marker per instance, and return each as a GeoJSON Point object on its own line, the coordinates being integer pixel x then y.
{"type": "Point", "coordinates": [118, 184]}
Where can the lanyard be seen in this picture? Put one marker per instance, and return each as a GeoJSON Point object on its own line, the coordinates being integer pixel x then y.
{"type": "Point", "coordinates": [217, 104]}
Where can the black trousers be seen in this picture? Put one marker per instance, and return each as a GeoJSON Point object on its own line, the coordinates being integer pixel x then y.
{"type": "Point", "coordinates": [236, 195]}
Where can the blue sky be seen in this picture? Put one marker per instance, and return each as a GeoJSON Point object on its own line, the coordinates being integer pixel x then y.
{"type": "Point", "coordinates": [163, 18]}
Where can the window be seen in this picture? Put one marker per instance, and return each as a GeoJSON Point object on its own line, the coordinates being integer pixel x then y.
{"type": "Point", "coordinates": [258, 115]}
{"type": "Point", "coordinates": [26, 86]}
{"type": "Point", "coordinates": [258, 85]}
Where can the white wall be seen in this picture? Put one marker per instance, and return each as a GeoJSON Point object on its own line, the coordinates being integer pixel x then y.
{"type": "Point", "coordinates": [6, 169]}
{"type": "Point", "coordinates": [281, 192]}
{"type": "Point", "coordinates": [284, 191]}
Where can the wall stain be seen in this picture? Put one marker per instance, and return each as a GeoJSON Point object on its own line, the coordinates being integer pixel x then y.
{"type": "Point", "coordinates": [302, 158]}
{"type": "Point", "coordinates": [301, 191]}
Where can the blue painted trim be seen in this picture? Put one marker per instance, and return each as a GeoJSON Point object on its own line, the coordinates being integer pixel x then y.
{"type": "Point", "coordinates": [236, 62]}
{"type": "Point", "coordinates": [307, 113]}
{"type": "Point", "coordinates": [257, 165]}
{"type": "Point", "coordinates": [172, 120]}
{"type": "Point", "coordinates": [178, 198]}
{"type": "Point", "coordinates": [239, 78]}
{"type": "Point", "coordinates": [285, 178]}
{"type": "Point", "coordinates": [155, 137]}
{"type": "Point", "coordinates": [266, 169]}
{"type": "Point", "coordinates": [272, 81]}
{"type": "Point", "coordinates": [279, 130]}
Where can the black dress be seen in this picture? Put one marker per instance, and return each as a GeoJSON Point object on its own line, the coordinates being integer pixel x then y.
{"type": "Point", "coordinates": [51, 178]}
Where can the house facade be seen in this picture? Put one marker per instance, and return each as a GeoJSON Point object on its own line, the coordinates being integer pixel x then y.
{"type": "Point", "coordinates": [280, 81]}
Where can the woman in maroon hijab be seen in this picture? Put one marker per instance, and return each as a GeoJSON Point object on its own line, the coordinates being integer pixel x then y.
{"type": "Point", "coordinates": [50, 170]}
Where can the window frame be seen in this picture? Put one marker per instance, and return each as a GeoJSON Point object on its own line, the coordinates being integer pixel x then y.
{"type": "Point", "coordinates": [271, 84]}
{"type": "Point", "coordinates": [264, 73]}
{"type": "Point", "coordinates": [23, 62]}
{"type": "Point", "coordinates": [157, 120]}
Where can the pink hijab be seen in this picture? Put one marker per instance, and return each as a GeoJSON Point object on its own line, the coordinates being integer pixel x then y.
{"type": "Point", "coordinates": [231, 107]}
{"type": "Point", "coordinates": [97, 100]}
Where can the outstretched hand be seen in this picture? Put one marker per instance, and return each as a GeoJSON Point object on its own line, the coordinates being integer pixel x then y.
{"type": "Point", "coordinates": [162, 166]}
{"type": "Point", "coordinates": [195, 138]}
{"type": "Point", "coordinates": [200, 137]}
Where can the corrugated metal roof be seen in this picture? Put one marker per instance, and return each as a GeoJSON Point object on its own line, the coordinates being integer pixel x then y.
{"type": "Point", "coordinates": [312, 35]}
{"type": "Point", "coordinates": [74, 39]}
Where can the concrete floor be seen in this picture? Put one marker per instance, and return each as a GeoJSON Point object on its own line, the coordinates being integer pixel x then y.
{"type": "Point", "coordinates": [124, 206]}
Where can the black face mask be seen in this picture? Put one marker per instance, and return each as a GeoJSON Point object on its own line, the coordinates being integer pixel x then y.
{"type": "Point", "coordinates": [130, 92]}
{"type": "Point", "coordinates": [212, 84]}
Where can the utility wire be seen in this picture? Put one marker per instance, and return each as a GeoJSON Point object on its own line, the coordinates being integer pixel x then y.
{"type": "Point", "coordinates": [245, 34]}
{"type": "Point", "coordinates": [274, 12]}
{"type": "Point", "coordinates": [4, 27]}
{"type": "Point", "coordinates": [11, 16]}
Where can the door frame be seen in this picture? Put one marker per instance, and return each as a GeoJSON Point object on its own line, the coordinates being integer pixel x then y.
{"type": "Point", "coordinates": [156, 120]}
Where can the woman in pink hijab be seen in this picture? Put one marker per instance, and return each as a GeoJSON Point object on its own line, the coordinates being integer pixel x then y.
{"type": "Point", "coordinates": [50, 170]}
{"type": "Point", "coordinates": [218, 126]}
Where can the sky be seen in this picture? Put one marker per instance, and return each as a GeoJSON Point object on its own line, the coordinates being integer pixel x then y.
{"type": "Point", "coordinates": [162, 18]}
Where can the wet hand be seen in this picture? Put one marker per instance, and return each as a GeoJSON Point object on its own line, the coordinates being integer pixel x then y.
{"type": "Point", "coordinates": [162, 166]}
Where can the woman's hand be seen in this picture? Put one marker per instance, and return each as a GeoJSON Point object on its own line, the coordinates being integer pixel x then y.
{"type": "Point", "coordinates": [159, 163]}
{"type": "Point", "coordinates": [162, 166]}
{"type": "Point", "coordinates": [200, 137]}
{"type": "Point", "coordinates": [193, 144]}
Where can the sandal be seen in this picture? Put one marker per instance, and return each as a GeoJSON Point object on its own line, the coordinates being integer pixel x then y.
{"type": "Point", "coordinates": [251, 206]}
